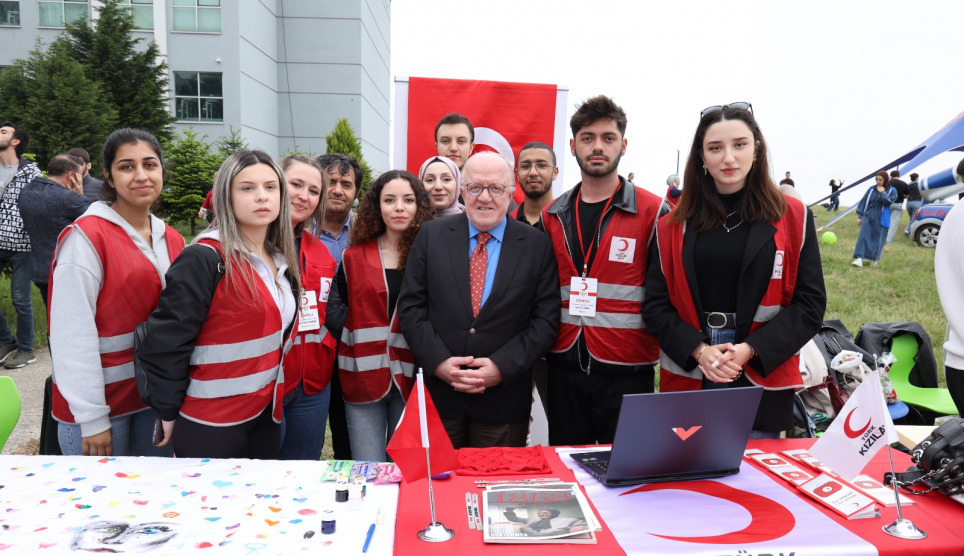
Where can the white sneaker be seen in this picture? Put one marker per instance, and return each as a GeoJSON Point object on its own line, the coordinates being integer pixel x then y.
{"type": "Point", "coordinates": [858, 262]}
{"type": "Point", "coordinates": [873, 263]}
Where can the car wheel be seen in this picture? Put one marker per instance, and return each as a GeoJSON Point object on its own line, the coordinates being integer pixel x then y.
{"type": "Point", "coordinates": [927, 235]}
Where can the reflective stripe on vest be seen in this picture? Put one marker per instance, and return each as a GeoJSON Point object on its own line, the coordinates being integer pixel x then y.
{"type": "Point", "coordinates": [373, 362]}
{"type": "Point", "coordinates": [311, 338]}
{"type": "Point", "coordinates": [226, 353]}
{"type": "Point", "coordinates": [605, 320]}
{"type": "Point", "coordinates": [110, 344]}
{"type": "Point", "coordinates": [224, 387]}
{"type": "Point", "coordinates": [617, 292]}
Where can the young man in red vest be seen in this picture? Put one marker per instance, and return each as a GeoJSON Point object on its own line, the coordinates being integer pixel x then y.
{"type": "Point", "coordinates": [600, 232]}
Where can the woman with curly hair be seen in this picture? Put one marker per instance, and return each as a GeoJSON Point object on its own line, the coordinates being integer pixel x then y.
{"type": "Point", "coordinates": [375, 365]}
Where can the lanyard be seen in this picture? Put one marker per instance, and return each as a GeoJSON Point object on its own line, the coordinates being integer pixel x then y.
{"type": "Point", "coordinates": [582, 249]}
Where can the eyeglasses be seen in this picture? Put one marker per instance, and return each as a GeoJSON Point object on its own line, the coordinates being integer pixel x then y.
{"type": "Point", "coordinates": [526, 167]}
{"type": "Point", "coordinates": [476, 189]}
{"type": "Point", "coordinates": [738, 105]}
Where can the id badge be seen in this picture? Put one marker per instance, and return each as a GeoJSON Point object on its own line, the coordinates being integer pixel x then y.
{"type": "Point", "coordinates": [582, 296]}
{"type": "Point", "coordinates": [308, 317]}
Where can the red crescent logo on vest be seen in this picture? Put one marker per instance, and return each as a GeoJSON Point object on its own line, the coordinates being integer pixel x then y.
{"type": "Point", "coordinates": [769, 519]}
{"type": "Point", "coordinates": [849, 431]}
{"type": "Point", "coordinates": [624, 245]}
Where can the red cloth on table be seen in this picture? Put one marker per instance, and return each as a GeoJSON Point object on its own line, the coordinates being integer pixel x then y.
{"type": "Point", "coordinates": [502, 461]}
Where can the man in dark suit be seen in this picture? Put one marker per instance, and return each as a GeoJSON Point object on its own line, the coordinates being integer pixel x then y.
{"type": "Point", "coordinates": [477, 342]}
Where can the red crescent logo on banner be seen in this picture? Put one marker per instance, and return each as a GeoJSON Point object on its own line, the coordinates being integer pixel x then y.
{"type": "Point", "coordinates": [849, 431]}
{"type": "Point", "coordinates": [769, 519]}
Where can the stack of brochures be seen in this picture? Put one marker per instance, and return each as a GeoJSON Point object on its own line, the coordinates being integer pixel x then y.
{"type": "Point", "coordinates": [526, 513]}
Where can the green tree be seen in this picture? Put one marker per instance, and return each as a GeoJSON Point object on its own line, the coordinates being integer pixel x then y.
{"type": "Point", "coordinates": [49, 96]}
{"type": "Point", "coordinates": [342, 140]}
{"type": "Point", "coordinates": [133, 77]}
{"type": "Point", "coordinates": [233, 142]}
{"type": "Point", "coordinates": [190, 168]}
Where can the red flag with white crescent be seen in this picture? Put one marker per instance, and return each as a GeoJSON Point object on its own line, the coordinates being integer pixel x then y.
{"type": "Point", "coordinates": [505, 116]}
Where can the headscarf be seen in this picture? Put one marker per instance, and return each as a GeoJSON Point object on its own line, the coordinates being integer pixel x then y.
{"type": "Point", "coordinates": [456, 207]}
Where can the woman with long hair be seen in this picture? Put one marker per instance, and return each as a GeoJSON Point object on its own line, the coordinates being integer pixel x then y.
{"type": "Point", "coordinates": [308, 366]}
{"type": "Point", "coordinates": [442, 180]}
{"type": "Point", "coordinates": [375, 365]}
{"type": "Point", "coordinates": [873, 217]}
{"type": "Point", "coordinates": [734, 287]}
{"type": "Point", "coordinates": [212, 353]}
{"type": "Point", "coordinates": [107, 273]}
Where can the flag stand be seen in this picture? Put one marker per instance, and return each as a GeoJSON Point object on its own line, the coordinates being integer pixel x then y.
{"type": "Point", "coordinates": [900, 528]}
{"type": "Point", "coordinates": [435, 531]}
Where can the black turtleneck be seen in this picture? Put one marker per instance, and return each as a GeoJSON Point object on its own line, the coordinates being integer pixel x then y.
{"type": "Point", "coordinates": [719, 257]}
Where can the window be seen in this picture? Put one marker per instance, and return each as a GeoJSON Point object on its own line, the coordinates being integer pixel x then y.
{"type": "Point", "coordinates": [197, 97]}
{"type": "Point", "coordinates": [143, 12]}
{"type": "Point", "coordinates": [9, 13]}
{"type": "Point", "coordinates": [197, 15]}
{"type": "Point", "coordinates": [54, 14]}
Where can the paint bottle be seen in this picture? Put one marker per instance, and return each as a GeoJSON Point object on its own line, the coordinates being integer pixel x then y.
{"type": "Point", "coordinates": [341, 490]}
{"type": "Point", "coordinates": [327, 522]}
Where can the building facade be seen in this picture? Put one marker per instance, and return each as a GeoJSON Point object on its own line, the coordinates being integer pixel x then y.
{"type": "Point", "coordinates": [280, 71]}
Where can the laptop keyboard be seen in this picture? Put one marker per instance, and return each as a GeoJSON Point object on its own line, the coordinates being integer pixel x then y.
{"type": "Point", "coordinates": [597, 467]}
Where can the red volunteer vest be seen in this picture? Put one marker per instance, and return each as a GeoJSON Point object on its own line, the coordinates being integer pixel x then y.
{"type": "Point", "coordinates": [129, 294]}
{"type": "Point", "coordinates": [235, 369]}
{"type": "Point", "coordinates": [617, 334]}
{"type": "Point", "coordinates": [373, 352]}
{"type": "Point", "coordinates": [779, 293]}
{"type": "Point", "coordinates": [312, 356]}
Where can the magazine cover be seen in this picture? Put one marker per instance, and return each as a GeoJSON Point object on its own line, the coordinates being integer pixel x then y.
{"type": "Point", "coordinates": [523, 514]}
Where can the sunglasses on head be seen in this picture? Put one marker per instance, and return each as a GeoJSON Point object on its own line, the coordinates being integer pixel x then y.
{"type": "Point", "coordinates": [719, 107]}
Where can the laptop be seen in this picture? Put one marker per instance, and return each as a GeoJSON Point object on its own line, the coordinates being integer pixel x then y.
{"type": "Point", "coordinates": [674, 436]}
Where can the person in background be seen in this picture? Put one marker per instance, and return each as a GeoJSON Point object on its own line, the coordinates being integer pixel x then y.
{"type": "Point", "coordinates": [15, 173]}
{"type": "Point", "coordinates": [673, 191]}
{"type": "Point", "coordinates": [374, 362]}
{"type": "Point", "coordinates": [345, 176]}
{"type": "Point", "coordinates": [92, 187]}
{"type": "Point", "coordinates": [455, 138]}
{"type": "Point", "coordinates": [442, 179]}
{"type": "Point", "coordinates": [212, 354]}
{"type": "Point", "coordinates": [308, 366]}
{"type": "Point", "coordinates": [834, 197]}
{"type": "Point", "coordinates": [47, 206]}
{"type": "Point", "coordinates": [900, 186]}
{"type": "Point", "coordinates": [788, 179]}
{"type": "Point", "coordinates": [536, 169]}
{"type": "Point", "coordinates": [630, 177]}
{"type": "Point", "coordinates": [873, 218]}
{"type": "Point", "coordinates": [108, 270]}
{"type": "Point", "coordinates": [914, 200]}
{"type": "Point", "coordinates": [786, 187]}
{"type": "Point", "coordinates": [735, 285]}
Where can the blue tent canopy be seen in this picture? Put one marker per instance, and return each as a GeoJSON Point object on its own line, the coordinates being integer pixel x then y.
{"type": "Point", "coordinates": [948, 138]}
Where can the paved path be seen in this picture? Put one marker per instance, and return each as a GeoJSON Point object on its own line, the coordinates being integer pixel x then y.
{"type": "Point", "coordinates": [30, 384]}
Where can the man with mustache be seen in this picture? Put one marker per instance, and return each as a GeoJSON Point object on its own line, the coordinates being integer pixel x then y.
{"type": "Point", "coordinates": [600, 232]}
{"type": "Point", "coordinates": [345, 176]}
{"type": "Point", "coordinates": [536, 169]}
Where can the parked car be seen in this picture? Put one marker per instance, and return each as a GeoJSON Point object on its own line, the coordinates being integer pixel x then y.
{"type": "Point", "coordinates": [926, 224]}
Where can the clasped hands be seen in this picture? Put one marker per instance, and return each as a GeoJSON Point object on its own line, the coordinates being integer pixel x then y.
{"type": "Point", "coordinates": [469, 375]}
{"type": "Point", "coordinates": [723, 362]}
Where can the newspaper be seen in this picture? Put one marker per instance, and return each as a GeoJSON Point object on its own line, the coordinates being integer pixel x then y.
{"type": "Point", "coordinates": [551, 513]}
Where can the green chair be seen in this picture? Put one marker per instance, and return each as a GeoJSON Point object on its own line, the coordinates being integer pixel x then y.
{"type": "Point", "coordinates": [936, 400]}
{"type": "Point", "coordinates": [9, 408]}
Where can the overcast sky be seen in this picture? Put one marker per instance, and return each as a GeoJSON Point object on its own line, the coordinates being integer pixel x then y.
{"type": "Point", "coordinates": [839, 87]}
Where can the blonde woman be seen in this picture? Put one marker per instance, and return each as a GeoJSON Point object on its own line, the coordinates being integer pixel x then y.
{"type": "Point", "coordinates": [214, 344]}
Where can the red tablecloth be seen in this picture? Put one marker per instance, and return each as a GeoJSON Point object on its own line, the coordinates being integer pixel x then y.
{"type": "Point", "coordinates": [940, 517]}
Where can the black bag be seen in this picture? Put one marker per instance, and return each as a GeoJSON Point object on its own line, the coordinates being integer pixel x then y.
{"type": "Point", "coordinates": [940, 462]}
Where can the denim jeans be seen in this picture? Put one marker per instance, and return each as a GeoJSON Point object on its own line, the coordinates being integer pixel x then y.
{"type": "Point", "coordinates": [131, 435]}
{"type": "Point", "coordinates": [20, 295]}
{"type": "Point", "coordinates": [895, 210]}
{"type": "Point", "coordinates": [912, 207]}
{"type": "Point", "coordinates": [370, 425]}
{"type": "Point", "coordinates": [303, 424]}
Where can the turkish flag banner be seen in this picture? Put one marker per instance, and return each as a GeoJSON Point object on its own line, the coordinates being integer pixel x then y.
{"type": "Point", "coordinates": [505, 116]}
{"type": "Point", "coordinates": [420, 429]}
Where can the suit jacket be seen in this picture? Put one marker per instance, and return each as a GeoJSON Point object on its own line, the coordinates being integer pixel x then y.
{"type": "Point", "coordinates": [514, 328]}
